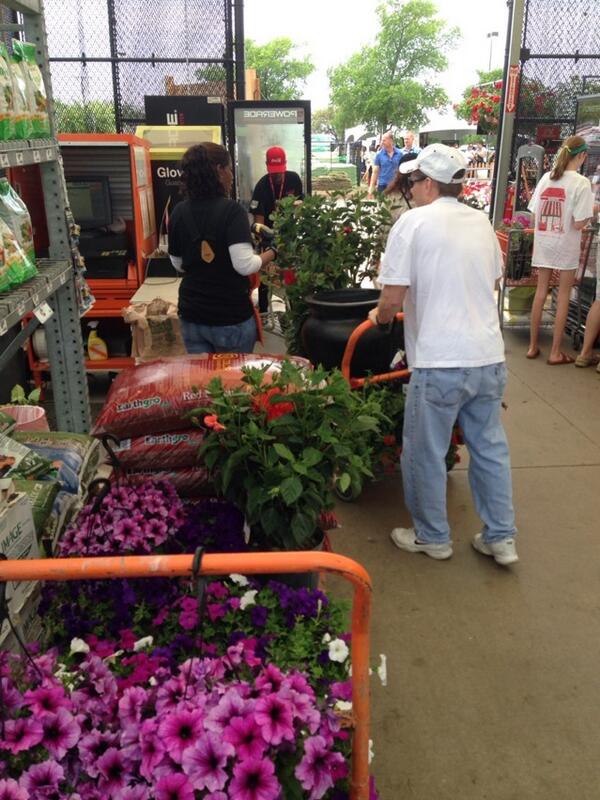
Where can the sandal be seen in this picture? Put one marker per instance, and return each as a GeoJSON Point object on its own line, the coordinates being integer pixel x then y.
{"type": "Point", "coordinates": [564, 359]}
{"type": "Point", "coordinates": [587, 361]}
{"type": "Point", "coordinates": [534, 353]}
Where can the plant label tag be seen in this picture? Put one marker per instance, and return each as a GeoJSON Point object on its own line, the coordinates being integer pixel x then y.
{"type": "Point", "coordinates": [43, 312]}
{"type": "Point", "coordinates": [36, 157]}
{"type": "Point", "coordinates": [21, 308]}
{"type": "Point", "coordinates": [3, 327]}
{"type": "Point", "coordinates": [19, 158]}
{"type": "Point", "coordinates": [206, 251]}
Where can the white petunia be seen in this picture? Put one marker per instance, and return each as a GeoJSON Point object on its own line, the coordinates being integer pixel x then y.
{"type": "Point", "coordinates": [343, 706]}
{"type": "Point", "coordinates": [143, 643]}
{"type": "Point", "coordinates": [338, 650]}
{"type": "Point", "coordinates": [382, 669]}
{"type": "Point", "coordinates": [371, 752]}
{"type": "Point", "coordinates": [79, 646]}
{"type": "Point", "coordinates": [241, 580]}
{"type": "Point", "coordinates": [326, 638]}
{"type": "Point", "coordinates": [112, 659]}
{"type": "Point", "coordinates": [248, 599]}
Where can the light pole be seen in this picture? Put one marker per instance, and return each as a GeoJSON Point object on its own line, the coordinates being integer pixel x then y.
{"type": "Point", "coordinates": [491, 36]}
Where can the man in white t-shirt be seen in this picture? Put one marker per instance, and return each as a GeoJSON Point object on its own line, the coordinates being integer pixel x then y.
{"type": "Point", "coordinates": [441, 263]}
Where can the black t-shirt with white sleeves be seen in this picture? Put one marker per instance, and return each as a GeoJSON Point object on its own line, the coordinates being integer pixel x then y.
{"type": "Point", "coordinates": [211, 293]}
{"type": "Point", "coordinates": [269, 190]}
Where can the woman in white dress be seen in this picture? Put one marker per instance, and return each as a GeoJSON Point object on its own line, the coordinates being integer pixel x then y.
{"type": "Point", "coordinates": [562, 204]}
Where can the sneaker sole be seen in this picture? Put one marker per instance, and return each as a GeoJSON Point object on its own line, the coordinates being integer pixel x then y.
{"type": "Point", "coordinates": [441, 555]}
{"type": "Point", "coordinates": [482, 548]}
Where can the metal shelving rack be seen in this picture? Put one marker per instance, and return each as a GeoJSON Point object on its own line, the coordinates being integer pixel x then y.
{"type": "Point", "coordinates": [56, 280]}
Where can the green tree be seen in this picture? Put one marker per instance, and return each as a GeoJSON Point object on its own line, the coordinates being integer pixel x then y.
{"type": "Point", "coordinates": [95, 116]}
{"type": "Point", "coordinates": [281, 76]}
{"type": "Point", "coordinates": [327, 120]}
{"type": "Point", "coordinates": [392, 81]}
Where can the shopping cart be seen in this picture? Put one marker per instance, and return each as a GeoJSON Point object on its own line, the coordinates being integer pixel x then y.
{"type": "Point", "coordinates": [517, 249]}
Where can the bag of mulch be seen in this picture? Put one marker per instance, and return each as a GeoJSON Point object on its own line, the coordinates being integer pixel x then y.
{"type": "Point", "coordinates": [156, 396]}
{"type": "Point", "coordinates": [22, 100]}
{"type": "Point", "coordinates": [189, 481]}
{"type": "Point", "coordinates": [155, 330]}
{"type": "Point", "coordinates": [18, 461]}
{"type": "Point", "coordinates": [75, 456]}
{"type": "Point", "coordinates": [36, 91]}
{"type": "Point", "coordinates": [7, 103]}
{"type": "Point", "coordinates": [42, 495]}
{"type": "Point", "coordinates": [7, 423]}
{"type": "Point", "coordinates": [14, 212]}
{"type": "Point", "coordinates": [161, 450]}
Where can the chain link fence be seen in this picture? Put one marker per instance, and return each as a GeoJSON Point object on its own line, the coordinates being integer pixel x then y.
{"type": "Point", "coordinates": [560, 60]}
{"type": "Point", "coordinates": [105, 55]}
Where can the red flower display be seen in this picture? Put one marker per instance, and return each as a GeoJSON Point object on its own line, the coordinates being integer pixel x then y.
{"type": "Point", "coordinates": [212, 421]}
{"type": "Point", "coordinates": [264, 402]}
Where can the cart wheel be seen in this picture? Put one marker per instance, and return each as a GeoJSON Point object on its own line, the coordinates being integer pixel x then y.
{"type": "Point", "coordinates": [349, 496]}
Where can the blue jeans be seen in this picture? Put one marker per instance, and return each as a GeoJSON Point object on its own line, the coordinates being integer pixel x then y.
{"type": "Point", "coordinates": [436, 399]}
{"type": "Point", "coordinates": [199, 338]}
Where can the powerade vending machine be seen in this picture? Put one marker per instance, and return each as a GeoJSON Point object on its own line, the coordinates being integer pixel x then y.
{"type": "Point", "coordinates": [167, 146]}
{"type": "Point", "coordinates": [258, 125]}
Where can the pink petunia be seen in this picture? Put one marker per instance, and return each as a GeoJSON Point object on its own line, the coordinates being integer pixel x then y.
{"type": "Point", "coordinates": [113, 768]}
{"type": "Point", "coordinates": [245, 736]}
{"type": "Point", "coordinates": [254, 779]}
{"type": "Point", "coordinates": [61, 732]}
{"type": "Point", "coordinates": [274, 716]}
{"type": "Point", "coordinates": [174, 787]}
{"type": "Point", "coordinates": [317, 768]}
{"type": "Point", "coordinates": [205, 762]}
{"type": "Point", "coordinates": [41, 780]}
{"type": "Point", "coordinates": [10, 790]}
{"type": "Point", "coordinates": [152, 748]}
{"type": "Point", "coordinates": [179, 730]}
{"type": "Point", "coordinates": [21, 734]}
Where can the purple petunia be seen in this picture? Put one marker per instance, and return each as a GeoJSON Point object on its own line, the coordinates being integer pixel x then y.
{"type": "Point", "coordinates": [92, 746]}
{"type": "Point", "coordinates": [174, 787]}
{"type": "Point", "coordinates": [273, 714]}
{"type": "Point", "coordinates": [41, 780]}
{"type": "Point", "coordinates": [61, 732]}
{"type": "Point", "coordinates": [317, 768]}
{"type": "Point", "coordinates": [152, 748]}
{"type": "Point", "coordinates": [204, 763]}
{"type": "Point", "coordinates": [46, 699]}
{"type": "Point", "coordinates": [21, 734]}
{"type": "Point", "coordinates": [245, 736]}
{"type": "Point", "coordinates": [10, 790]}
{"type": "Point", "coordinates": [180, 730]}
{"type": "Point", "coordinates": [139, 792]}
{"type": "Point", "coordinates": [113, 768]}
{"type": "Point", "coordinates": [254, 779]}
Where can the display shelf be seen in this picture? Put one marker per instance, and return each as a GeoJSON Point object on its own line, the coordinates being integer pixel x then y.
{"type": "Point", "coordinates": [106, 365]}
{"type": "Point", "coordinates": [26, 152]}
{"type": "Point", "coordinates": [14, 305]}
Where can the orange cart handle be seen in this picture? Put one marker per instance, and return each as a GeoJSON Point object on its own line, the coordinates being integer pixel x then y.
{"type": "Point", "coordinates": [171, 566]}
{"type": "Point", "coordinates": [363, 327]}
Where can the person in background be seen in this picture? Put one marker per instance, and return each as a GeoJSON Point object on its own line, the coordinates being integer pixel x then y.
{"type": "Point", "coordinates": [277, 183]}
{"type": "Point", "coordinates": [409, 144]}
{"type": "Point", "coordinates": [385, 164]}
{"type": "Point", "coordinates": [587, 357]}
{"type": "Point", "coordinates": [210, 243]}
{"type": "Point", "coordinates": [562, 204]}
{"type": "Point", "coordinates": [440, 266]}
{"type": "Point", "coordinates": [398, 190]}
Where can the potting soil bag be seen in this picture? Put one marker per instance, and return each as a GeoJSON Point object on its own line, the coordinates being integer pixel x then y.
{"type": "Point", "coordinates": [189, 481]}
{"type": "Point", "coordinates": [36, 91]}
{"type": "Point", "coordinates": [64, 509]}
{"type": "Point", "coordinates": [21, 100]}
{"type": "Point", "coordinates": [156, 396]}
{"type": "Point", "coordinates": [7, 103]}
{"type": "Point", "coordinates": [18, 267]}
{"type": "Point", "coordinates": [42, 495]}
{"type": "Point", "coordinates": [14, 212]}
{"type": "Point", "coordinates": [7, 423]}
{"type": "Point", "coordinates": [74, 456]}
{"type": "Point", "coordinates": [175, 449]}
{"type": "Point", "coordinates": [18, 461]}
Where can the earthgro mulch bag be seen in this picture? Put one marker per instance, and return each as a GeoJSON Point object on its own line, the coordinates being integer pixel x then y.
{"type": "Point", "coordinates": [155, 397]}
{"type": "Point", "coordinates": [175, 449]}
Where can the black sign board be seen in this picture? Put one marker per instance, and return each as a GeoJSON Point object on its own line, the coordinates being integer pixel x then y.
{"type": "Point", "coordinates": [183, 110]}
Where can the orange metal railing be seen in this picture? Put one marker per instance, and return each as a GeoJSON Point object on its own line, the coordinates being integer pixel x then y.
{"type": "Point", "coordinates": [171, 566]}
{"type": "Point", "coordinates": [356, 383]}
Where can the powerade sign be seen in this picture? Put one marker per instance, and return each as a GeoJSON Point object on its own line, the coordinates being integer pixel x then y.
{"type": "Point", "coordinates": [294, 116]}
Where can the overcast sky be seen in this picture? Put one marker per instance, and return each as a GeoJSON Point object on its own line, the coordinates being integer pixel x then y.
{"type": "Point", "coordinates": [330, 31]}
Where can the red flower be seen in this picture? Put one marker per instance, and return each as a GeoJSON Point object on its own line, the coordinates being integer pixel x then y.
{"type": "Point", "coordinates": [347, 229]}
{"type": "Point", "coordinates": [289, 277]}
{"type": "Point", "coordinates": [496, 98]}
{"type": "Point", "coordinates": [264, 402]}
{"type": "Point", "coordinates": [498, 85]}
{"type": "Point", "coordinates": [389, 440]}
{"type": "Point", "coordinates": [212, 421]}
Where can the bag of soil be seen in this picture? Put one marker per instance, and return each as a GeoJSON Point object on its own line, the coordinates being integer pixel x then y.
{"type": "Point", "coordinates": [18, 461]}
{"type": "Point", "coordinates": [36, 91]}
{"type": "Point", "coordinates": [22, 100]}
{"type": "Point", "coordinates": [14, 212]}
{"type": "Point", "coordinates": [7, 103]}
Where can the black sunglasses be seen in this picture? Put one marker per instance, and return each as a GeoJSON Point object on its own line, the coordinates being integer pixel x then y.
{"type": "Point", "coordinates": [412, 181]}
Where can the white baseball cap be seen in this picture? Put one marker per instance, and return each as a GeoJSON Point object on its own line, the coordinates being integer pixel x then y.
{"type": "Point", "coordinates": [439, 162]}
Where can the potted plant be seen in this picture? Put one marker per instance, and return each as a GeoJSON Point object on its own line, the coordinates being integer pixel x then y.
{"type": "Point", "coordinates": [277, 451]}
{"type": "Point", "coordinates": [25, 410]}
{"type": "Point", "coordinates": [328, 243]}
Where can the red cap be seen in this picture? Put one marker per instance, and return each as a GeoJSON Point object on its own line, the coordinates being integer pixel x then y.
{"type": "Point", "coordinates": [276, 159]}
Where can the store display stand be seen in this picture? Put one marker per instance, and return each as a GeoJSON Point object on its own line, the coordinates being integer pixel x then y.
{"type": "Point", "coordinates": [55, 283]}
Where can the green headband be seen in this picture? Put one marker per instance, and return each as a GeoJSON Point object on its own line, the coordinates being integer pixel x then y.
{"type": "Point", "coordinates": [581, 148]}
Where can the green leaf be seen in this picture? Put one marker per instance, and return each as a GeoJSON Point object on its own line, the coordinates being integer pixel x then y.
{"type": "Point", "coordinates": [303, 527]}
{"type": "Point", "coordinates": [344, 481]}
{"type": "Point", "coordinates": [291, 489]}
{"type": "Point", "coordinates": [230, 465]}
{"type": "Point", "coordinates": [311, 456]}
{"type": "Point", "coordinates": [17, 395]}
{"type": "Point", "coordinates": [283, 451]}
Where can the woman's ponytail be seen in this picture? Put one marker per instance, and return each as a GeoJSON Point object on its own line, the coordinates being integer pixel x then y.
{"type": "Point", "coordinates": [570, 148]}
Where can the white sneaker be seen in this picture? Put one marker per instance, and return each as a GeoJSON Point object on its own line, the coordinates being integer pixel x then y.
{"type": "Point", "coordinates": [503, 552]}
{"type": "Point", "coordinates": [405, 539]}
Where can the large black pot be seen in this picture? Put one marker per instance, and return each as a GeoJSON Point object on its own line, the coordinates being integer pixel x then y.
{"type": "Point", "coordinates": [333, 315]}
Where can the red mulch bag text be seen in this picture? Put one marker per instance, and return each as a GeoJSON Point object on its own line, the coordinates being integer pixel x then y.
{"type": "Point", "coordinates": [155, 396]}
{"type": "Point", "coordinates": [174, 449]}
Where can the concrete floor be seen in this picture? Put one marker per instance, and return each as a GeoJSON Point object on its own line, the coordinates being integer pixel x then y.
{"type": "Point", "coordinates": [494, 674]}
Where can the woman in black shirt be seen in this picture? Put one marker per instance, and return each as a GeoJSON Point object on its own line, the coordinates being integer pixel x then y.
{"type": "Point", "coordinates": [209, 242]}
